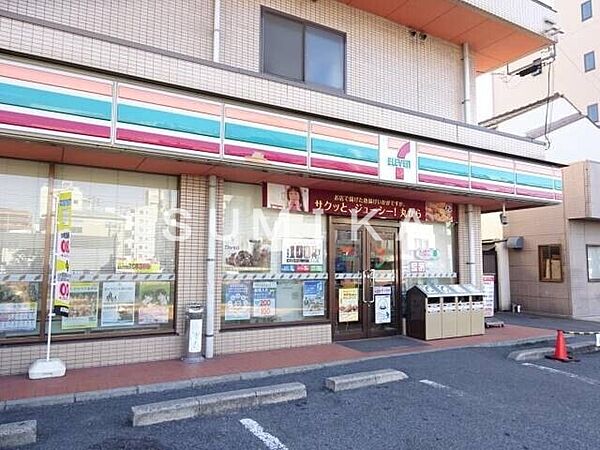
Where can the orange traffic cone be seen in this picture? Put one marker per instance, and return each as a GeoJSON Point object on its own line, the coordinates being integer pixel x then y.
{"type": "Point", "coordinates": [560, 349]}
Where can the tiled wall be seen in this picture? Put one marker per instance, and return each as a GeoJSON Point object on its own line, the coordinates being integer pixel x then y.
{"type": "Point", "coordinates": [424, 77]}
{"type": "Point", "coordinates": [464, 271]}
{"type": "Point", "coordinates": [384, 63]}
{"type": "Point", "coordinates": [190, 289]}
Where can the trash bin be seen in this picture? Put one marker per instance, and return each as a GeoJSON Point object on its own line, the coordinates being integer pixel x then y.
{"type": "Point", "coordinates": [424, 313]}
{"type": "Point", "coordinates": [477, 315]}
{"type": "Point", "coordinates": [463, 316]}
{"type": "Point", "coordinates": [193, 334]}
{"type": "Point", "coordinates": [449, 317]}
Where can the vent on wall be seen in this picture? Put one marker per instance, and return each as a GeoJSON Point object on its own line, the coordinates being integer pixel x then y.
{"type": "Point", "coordinates": [515, 242]}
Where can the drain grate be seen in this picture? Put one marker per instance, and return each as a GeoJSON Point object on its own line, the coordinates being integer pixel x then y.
{"type": "Point", "coordinates": [123, 443]}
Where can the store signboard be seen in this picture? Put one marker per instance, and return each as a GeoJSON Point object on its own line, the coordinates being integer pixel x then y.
{"type": "Point", "coordinates": [489, 294]}
{"type": "Point", "coordinates": [397, 160]}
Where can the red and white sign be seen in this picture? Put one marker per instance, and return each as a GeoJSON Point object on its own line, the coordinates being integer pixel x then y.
{"type": "Point", "coordinates": [489, 294]}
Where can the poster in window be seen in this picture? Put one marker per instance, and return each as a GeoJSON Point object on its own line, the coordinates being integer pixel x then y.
{"type": "Point", "coordinates": [313, 298]}
{"type": "Point", "coordinates": [18, 306]}
{"type": "Point", "coordinates": [155, 300]}
{"type": "Point", "coordinates": [237, 301]}
{"type": "Point", "coordinates": [253, 255]}
{"type": "Point", "coordinates": [118, 304]}
{"type": "Point", "coordinates": [287, 197]}
{"type": "Point", "coordinates": [301, 255]}
{"type": "Point", "coordinates": [264, 298]}
{"type": "Point", "coordinates": [383, 304]}
{"type": "Point", "coordinates": [83, 309]}
{"type": "Point", "coordinates": [348, 304]}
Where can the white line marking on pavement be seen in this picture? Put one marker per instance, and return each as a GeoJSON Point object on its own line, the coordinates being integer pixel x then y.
{"type": "Point", "coordinates": [257, 430]}
{"type": "Point", "coordinates": [443, 387]}
{"type": "Point", "coordinates": [567, 374]}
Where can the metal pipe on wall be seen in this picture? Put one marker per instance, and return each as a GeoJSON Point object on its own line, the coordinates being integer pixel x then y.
{"type": "Point", "coordinates": [217, 31]}
{"type": "Point", "coordinates": [210, 267]}
{"type": "Point", "coordinates": [472, 262]}
{"type": "Point", "coordinates": [466, 57]}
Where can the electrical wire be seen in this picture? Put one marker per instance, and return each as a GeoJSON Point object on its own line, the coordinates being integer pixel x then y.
{"type": "Point", "coordinates": [548, 92]}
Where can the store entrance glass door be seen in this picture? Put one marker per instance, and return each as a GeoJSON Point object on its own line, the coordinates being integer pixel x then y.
{"type": "Point", "coordinates": [365, 285]}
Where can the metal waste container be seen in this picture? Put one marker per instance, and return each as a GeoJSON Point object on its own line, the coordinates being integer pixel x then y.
{"type": "Point", "coordinates": [449, 317]}
{"type": "Point", "coordinates": [424, 313]}
{"type": "Point", "coordinates": [463, 316]}
{"type": "Point", "coordinates": [477, 314]}
{"type": "Point", "coordinates": [193, 334]}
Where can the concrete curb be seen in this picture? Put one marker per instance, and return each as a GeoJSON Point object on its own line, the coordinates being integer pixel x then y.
{"type": "Point", "coordinates": [535, 354]}
{"type": "Point", "coordinates": [208, 381]}
{"type": "Point", "coordinates": [204, 405]}
{"type": "Point", "coordinates": [18, 433]}
{"type": "Point", "coordinates": [363, 379]}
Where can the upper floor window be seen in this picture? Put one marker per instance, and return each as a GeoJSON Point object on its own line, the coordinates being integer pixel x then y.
{"type": "Point", "coordinates": [589, 61]}
{"type": "Point", "coordinates": [550, 263]}
{"type": "Point", "coordinates": [302, 51]}
{"type": "Point", "coordinates": [586, 10]}
{"type": "Point", "coordinates": [592, 112]}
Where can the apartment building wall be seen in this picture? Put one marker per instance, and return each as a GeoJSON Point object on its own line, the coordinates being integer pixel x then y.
{"type": "Point", "coordinates": [568, 75]}
{"type": "Point", "coordinates": [384, 62]}
{"type": "Point", "coordinates": [526, 288]}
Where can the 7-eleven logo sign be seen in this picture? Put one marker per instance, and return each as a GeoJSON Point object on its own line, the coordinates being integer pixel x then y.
{"type": "Point", "coordinates": [398, 161]}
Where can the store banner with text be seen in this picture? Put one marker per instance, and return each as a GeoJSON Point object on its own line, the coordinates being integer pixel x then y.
{"type": "Point", "coordinates": [62, 254]}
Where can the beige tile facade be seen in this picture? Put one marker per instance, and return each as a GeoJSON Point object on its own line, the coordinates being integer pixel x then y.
{"type": "Point", "coordinates": [385, 64]}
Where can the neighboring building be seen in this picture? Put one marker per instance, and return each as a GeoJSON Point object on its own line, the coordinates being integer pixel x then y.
{"type": "Point", "coordinates": [155, 111]}
{"type": "Point", "coordinates": [575, 73]}
{"type": "Point", "coordinates": [556, 271]}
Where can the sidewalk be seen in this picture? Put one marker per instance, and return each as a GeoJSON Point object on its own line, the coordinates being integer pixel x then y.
{"type": "Point", "coordinates": [135, 375]}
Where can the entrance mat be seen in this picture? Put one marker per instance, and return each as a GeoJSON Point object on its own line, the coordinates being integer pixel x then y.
{"type": "Point", "coordinates": [382, 344]}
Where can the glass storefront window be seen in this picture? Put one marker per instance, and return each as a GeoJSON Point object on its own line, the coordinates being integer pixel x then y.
{"type": "Point", "coordinates": [122, 256]}
{"type": "Point", "coordinates": [427, 253]}
{"type": "Point", "coordinates": [274, 262]}
{"type": "Point", "coordinates": [22, 237]}
{"type": "Point", "coordinates": [123, 249]}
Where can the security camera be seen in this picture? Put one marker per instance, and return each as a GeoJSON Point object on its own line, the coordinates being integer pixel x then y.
{"type": "Point", "coordinates": [503, 219]}
{"type": "Point", "coordinates": [423, 36]}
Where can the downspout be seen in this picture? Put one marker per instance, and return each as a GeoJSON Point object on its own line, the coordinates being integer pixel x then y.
{"type": "Point", "coordinates": [468, 115]}
{"type": "Point", "coordinates": [217, 32]}
{"type": "Point", "coordinates": [466, 57]}
{"type": "Point", "coordinates": [472, 262]}
{"type": "Point", "coordinates": [210, 267]}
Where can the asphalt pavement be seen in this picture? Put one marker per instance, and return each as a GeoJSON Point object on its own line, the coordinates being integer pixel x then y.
{"type": "Point", "coordinates": [457, 399]}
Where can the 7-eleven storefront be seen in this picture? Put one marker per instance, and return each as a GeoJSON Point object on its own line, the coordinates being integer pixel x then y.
{"type": "Point", "coordinates": [319, 229]}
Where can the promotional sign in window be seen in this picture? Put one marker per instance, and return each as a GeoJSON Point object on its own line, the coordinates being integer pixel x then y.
{"type": "Point", "coordinates": [83, 306]}
{"type": "Point", "coordinates": [155, 298]}
{"type": "Point", "coordinates": [288, 197]}
{"type": "Point", "coordinates": [301, 255]}
{"type": "Point", "coordinates": [264, 298]}
{"type": "Point", "coordinates": [313, 298]}
{"type": "Point", "coordinates": [18, 306]}
{"type": "Point", "coordinates": [118, 304]}
{"type": "Point", "coordinates": [383, 304]}
{"type": "Point", "coordinates": [348, 304]}
{"type": "Point", "coordinates": [237, 301]}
